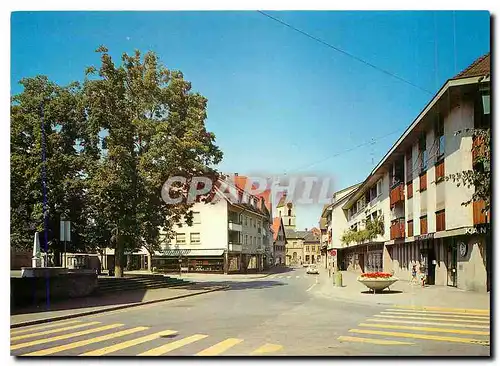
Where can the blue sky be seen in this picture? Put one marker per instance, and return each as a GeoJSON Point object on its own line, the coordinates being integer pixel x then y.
{"type": "Point", "coordinates": [277, 100]}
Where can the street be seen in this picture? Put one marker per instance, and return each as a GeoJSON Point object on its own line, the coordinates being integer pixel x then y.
{"type": "Point", "coordinates": [278, 315]}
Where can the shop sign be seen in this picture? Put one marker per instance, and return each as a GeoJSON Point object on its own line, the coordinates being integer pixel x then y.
{"type": "Point", "coordinates": [462, 249]}
{"type": "Point", "coordinates": [476, 230]}
{"type": "Point", "coordinates": [425, 236]}
{"type": "Point", "coordinates": [333, 252]}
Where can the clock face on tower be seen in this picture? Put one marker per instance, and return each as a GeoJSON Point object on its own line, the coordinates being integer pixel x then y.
{"type": "Point", "coordinates": [289, 205]}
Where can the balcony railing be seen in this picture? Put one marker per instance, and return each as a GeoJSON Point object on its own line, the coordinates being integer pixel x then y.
{"type": "Point", "coordinates": [397, 229]}
{"type": "Point", "coordinates": [235, 226]}
{"type": "Point", "coordinates": [397, 194]}
{"type": "Point", "coordinates": [479, 216]}
{"type": "Point", "coordinates": [234, 247]}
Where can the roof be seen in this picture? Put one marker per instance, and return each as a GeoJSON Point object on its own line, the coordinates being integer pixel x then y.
{"type": "Point", "coordinates": [241, 183]}
{"type": "Point", "coordinates": [479, 67]}
{"type": "Point", "coordinates": [282, 200]}
{"type": "Point", "coordinates": [277, 222]}
{"type": "Point", "coordinates": [311, 236]}
{"type": "Point", "coordinates": [292, 234]}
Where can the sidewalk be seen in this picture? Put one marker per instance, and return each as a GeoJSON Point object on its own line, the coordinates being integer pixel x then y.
{"type": "Point", "coordinates": [402, 293]}
{"type": "Point", "coordinates": [73, 308]}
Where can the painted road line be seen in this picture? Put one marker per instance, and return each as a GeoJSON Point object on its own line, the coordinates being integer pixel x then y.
{"type": "Point", "coordinates": [439, 315]}
{"type": "Point", "coordinates": [297, 276]}
{"type": "Point", "coordinates": [44, 326]}
{"type": "Point", "coordinates": [372, 341]}
{"type": "Point", "coordinates": [85, 342]}
{"type": "Point", "coordinates": [430, 323]}
{"type": "Point", "coordinates": [127, 344]}
{"type": "Point", "coordinates": [64, 336]}
{"type": "Point", "coordinates": [33, 335]}
{"type": "Point", "coordinates": [461, 310]}
{"type": "Point", "coordinates": [424, 318]}
{"type": "Point", "coordinates": [436, 312]}
{"type": "Point", "coordinates": [422, 336]}
{"type": "Point", "coordinates": [310, 288]}
{"type": "Point", "coordinates": [220, 347]}
{"type": "Point", "coordinates": [158, 351]}
{"type": "Point", "coordinates": [288, 276]}
{"type": "Point", "coordinates": [426, 329]}
{"type": "Point", "coordinates": [266, 348]}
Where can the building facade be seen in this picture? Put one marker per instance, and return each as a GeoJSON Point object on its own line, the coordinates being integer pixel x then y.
{"type": "Point", "coordinates": [425, 223]}
{"type": "Point", "coordinates": [279, 242]}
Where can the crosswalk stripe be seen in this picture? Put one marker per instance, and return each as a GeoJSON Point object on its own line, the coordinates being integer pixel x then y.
{"type": "Point", "coordinates": [423, 318]}
{"type": "Point", "coordinates": [371, 340]}
{"type": "Point", "coordinates": [462, 310]}
{"type": "Point", "coordinates": [266, 348]}
{"type": "Point", "coordinates": [158, 351]}
{"type": "Point", "coordinates": [437, 315]}
{"type": "Point", "coordinates": [425, 329]}
{"type": "Point", "coordinates": [64, 336]}
{"type": "Point", "coordinates": [33, 335]}
{"type": "Point", "coordinates": [220, 347]}
{"type": "Point", "coordinates": [421, 336]}
{"type": "Point", "coordinates": [85, 342]}
{"type": "Point", "coordinates": [436, 312]}
{"type": "Point", "coordinates": [430, 323]}
{"type": "Point", "coordinates": [127, 344]}
{"type": "Point", "coordinates": [297, 276]}
{"type": "Point", "coordinates": [289, 277]}
{"type": "Point", "coordinates": [43, 326]}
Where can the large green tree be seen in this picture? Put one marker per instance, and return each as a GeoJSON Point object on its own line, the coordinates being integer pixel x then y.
{"type": "Point", "coordinates": [154, 130]}
{"type": "Point", "coordinates": [62, 115]}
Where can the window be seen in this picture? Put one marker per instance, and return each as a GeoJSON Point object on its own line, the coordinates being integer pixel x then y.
{"type": "Point", "coordinates": [410, 228]}
{"type": "Point", "coordinates": [422, 150]}
{"type": "Point", "coordinates": [180, 238]}
{"type": "Point", "coordinates": [409, 190]}
{"type": "Point", "coordinates": [255, 223]}
{"type": "Point", "coordinates": [409, 166]}
{"type": "Point", "coordinates": [439, 171]}
{"type": "Point", "coordinates": [423, 225]}
{"type": "Point", "coordinates": [289, 212]}
{"type": "Point", "coordinates": [246, 239]}
{"type": "Point", "coordinates": [423, 182]}
{"type": "Point", "coordinates": [289, 222]}
{"type": "Point", "coordinates": [280, 213]}
{"type": "Point", "coordinates": [194, 238]}
{"type": "Point", "coordinates": [250, 221]}
{"type": "Point", "coordinates": [196, 218]}
{"type": "Point", "coordinates": [379, 187]}
{"type": "Point", "coordinates": [246, 222]}
{"type": "Point", "coordinates": [440, 221]}
{"type": "Point", "coordinates": [440, 136]}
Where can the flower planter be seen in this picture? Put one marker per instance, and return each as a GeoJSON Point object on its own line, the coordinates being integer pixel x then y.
{"type": "Point", "coordinates": [377, 281]}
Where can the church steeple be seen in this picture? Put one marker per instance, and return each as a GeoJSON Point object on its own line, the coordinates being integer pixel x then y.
{"type": "Point", "coordinates": [286, 211]}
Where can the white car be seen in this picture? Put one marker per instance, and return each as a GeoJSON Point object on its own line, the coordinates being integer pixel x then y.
{"type": "Point", "coordinates": [312, 269]}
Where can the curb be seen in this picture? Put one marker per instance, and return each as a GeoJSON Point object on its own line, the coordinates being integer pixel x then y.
{"type": "Point", "coordinates": [119, 307]}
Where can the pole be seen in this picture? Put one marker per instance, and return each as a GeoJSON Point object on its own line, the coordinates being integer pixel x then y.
{"type": "Point", "coordinates": [44, 183]}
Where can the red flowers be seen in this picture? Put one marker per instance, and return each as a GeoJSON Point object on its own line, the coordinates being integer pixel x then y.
{"type": "Point", "coordinates": [376, 275]}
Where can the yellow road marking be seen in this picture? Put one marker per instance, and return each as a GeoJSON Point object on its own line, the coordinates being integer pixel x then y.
{"type": "Point", "coordinates": [426, 329]}
{"type": "Point", "coordinates": [480, 311]}
{"type": "Point", "coordinates": [421, 318]}
{"type": "Point", "coordinates": [43, 326]}
{"type": "Point", "coordinates": [32, 335]}
{"type": "Point", "coordinates": [64, 336]}
{"type": "Point", "coordinates": [158, 351]}
{"type": "Point", "coordinates": [437, 312]}
{"type": "Point", "coordinates": [65, 347]}
{"type": "Point", "coordinates": [127, 344]}
{"type": "Point", "coordinates": [434, 315]}
{"type": "Point", "coordinates": [220, 347]}
{"type": "Point", "coordinates": [422, 336]}
{"type": "Point", "coordinates": [430, 323]}
{"type": "Point", "coordinates": [266, 348]}
{"type": "Point", "coordinates": [371, 340]}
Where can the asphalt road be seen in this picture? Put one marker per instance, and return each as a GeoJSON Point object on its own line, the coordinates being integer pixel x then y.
{"type": "Point", "coordinates": [274, 316]}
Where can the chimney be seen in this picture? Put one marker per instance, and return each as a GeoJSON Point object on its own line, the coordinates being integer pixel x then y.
{"type": "Point", "coordinates": [235, 174]}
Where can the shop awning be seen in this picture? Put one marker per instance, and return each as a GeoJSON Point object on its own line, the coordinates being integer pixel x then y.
{"type": "Point", "coordinates": [190, 253]}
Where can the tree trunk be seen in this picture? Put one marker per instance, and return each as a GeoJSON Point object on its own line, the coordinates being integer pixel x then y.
{"type": "Point", "coordinates": [119, 254]}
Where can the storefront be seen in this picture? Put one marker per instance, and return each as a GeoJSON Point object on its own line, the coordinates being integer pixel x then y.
{"type": "Point", "coordinates": [189, 260]}
{"type": "Point", "coordinates": [362, 258]}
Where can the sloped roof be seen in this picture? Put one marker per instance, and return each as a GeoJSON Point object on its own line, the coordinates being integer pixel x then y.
{"type": "Point", "coordinates": [277, 222]}
{"type": "Point", "coordinates": [480, 67]}
{"type": "Point", "coordinates": [241, 181]}
{"type": "Point", "coordinates": [311, 236]}
{"type": "Point", "coordinates": [282, 200]}
{"type": "Point", "coordinates": [292, 234]}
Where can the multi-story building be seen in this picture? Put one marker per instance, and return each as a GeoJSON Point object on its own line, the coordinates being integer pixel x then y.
{"type": "Point", "coordinates": [224, 237]}
{"type": "Point", "coordinates": [312, 246]}
{"type": "Point", "coordinates": [279, 242]}
{"type": "Point", "coordinates": [335, 222]}
{"type": "Point", "coordinates": [425, 223]}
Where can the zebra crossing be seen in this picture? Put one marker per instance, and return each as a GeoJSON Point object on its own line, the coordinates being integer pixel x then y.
{"type": "Point", "coordinates": [406, 325]}
{"type": "Point", "coordinates": [289, 277]}
{"type": "Point", "coordinates": [93, 338]}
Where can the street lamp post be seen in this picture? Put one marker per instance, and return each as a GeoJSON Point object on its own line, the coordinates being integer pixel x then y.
{"type": "Point", "coordinates": [44, 185]}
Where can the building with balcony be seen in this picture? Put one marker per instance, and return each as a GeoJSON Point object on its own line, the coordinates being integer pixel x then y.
{"type": "Point", "coordinates": [225, 236]}
{"type": "Point", "coordinates": [425, 223]}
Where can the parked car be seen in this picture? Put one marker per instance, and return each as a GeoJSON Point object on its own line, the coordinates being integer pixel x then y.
{"type": "Point", "coordinates": [312, 269]}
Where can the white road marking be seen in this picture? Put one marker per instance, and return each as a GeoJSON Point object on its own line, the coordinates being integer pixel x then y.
{"type": "Point", "coordinates": [310, 288]}
{"type": "Point", "coordinates": [289, 277]}
{"type": "Point", "coordinates": [297, 276]}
